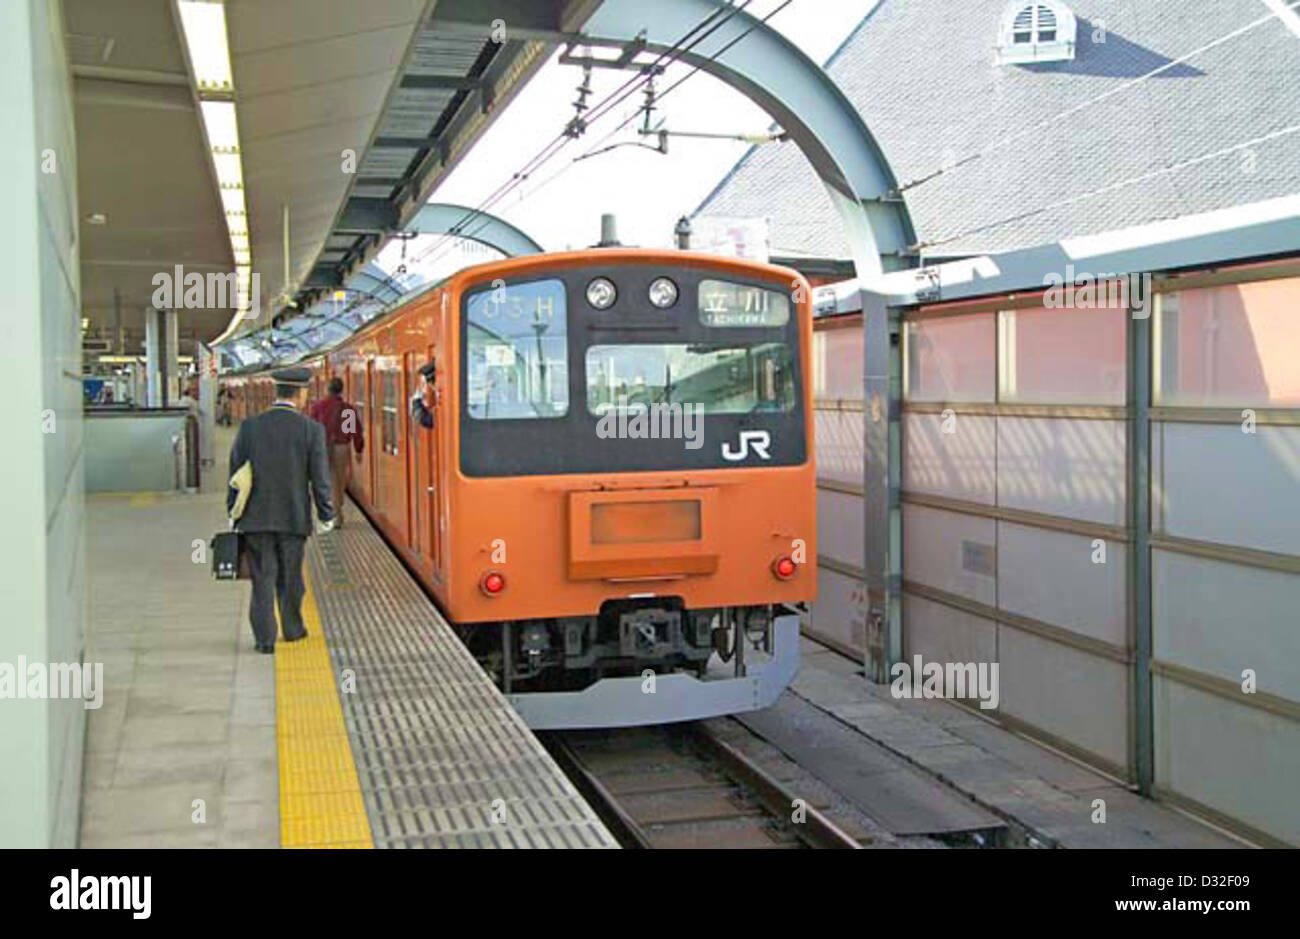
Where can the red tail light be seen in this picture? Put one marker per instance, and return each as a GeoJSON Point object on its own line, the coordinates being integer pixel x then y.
{"type": "Point", "coordinates": [492, 583]}
{"type": "Point", "coordinates": [784, 567]}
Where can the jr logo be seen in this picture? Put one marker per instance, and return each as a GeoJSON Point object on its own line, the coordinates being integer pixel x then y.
{"type": "Point", "coordinates": [758, 440]}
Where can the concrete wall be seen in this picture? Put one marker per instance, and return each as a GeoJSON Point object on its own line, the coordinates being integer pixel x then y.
{"type": "Point", "coordinates": [42, 560]}
{"type": "Point", "coordinates": [132, 451]}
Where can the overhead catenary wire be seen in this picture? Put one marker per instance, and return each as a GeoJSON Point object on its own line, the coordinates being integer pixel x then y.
{"type": "Point", "coordinates": [595, 113]}
{"type": "Point", "coordinates": [695, 69]}
{"type": "Point", "coordinates": [1035, 128]}
{"type": "Point", "coordinates": [594, 149]}
{"type": "Point", "coordinates": [556, 144]}
{"type": "Point", "coordinates": [563, 139]}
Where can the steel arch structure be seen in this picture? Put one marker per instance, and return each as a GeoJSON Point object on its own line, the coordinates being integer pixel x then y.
{"type": "Point", "coordinates": [445, 218]}
{"type": "Point", "coordinates": [759, 61]}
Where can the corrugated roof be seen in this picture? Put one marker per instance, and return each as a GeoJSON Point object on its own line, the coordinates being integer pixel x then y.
{"type": "Point", "coordinates": [922, 74]}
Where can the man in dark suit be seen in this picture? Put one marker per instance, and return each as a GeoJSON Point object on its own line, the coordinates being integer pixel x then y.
{"type": "Point", "coordinates": [287, 453]}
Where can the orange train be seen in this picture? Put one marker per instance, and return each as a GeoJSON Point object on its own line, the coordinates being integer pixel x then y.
{"type": "Point", "coordinates": [615, 506]}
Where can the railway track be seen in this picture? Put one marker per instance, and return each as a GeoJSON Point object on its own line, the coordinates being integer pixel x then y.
{"type": "Point", "coordinates": [681, 786]}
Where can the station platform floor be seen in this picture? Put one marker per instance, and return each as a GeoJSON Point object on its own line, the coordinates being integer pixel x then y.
{"type": "Point", "coordinates": [202, 742]}
{"type": "Point", "coordinates": [378, 730]}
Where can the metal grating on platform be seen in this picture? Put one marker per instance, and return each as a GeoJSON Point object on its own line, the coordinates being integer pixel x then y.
{"type": "Point", "coordinates": [443, 759]}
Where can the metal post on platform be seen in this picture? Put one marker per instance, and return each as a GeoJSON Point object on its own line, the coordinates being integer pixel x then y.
{"type": "Point", "coordinates": [1139, 560]}
{"type": "Point", "coordinates": [882, 478]}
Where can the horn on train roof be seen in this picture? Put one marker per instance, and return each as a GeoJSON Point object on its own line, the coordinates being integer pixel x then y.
{"type": "Point", "coordinates": [608, 231]}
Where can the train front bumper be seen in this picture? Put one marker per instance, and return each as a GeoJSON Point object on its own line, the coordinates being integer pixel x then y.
{"type": "Point", "coordinates": [634, 700]}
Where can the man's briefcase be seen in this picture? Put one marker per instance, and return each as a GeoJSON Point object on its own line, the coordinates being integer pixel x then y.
{"type": "Point", "coordinates": [229, 559]}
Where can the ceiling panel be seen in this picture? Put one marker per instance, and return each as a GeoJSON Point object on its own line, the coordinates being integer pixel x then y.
{"type": "Point", "coordinates": [141, 163]}
{"type": "Point", "coordinates": [312, 77]}
{"type": "Point", "coordinates": [439, 54]}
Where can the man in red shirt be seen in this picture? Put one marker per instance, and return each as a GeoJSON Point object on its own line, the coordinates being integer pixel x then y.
{"type": "Point", "coordinates": [342, 430]}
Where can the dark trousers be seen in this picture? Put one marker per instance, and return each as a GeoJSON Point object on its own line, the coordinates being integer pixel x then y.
{"type": "Point", "coordinates": [277, 576]}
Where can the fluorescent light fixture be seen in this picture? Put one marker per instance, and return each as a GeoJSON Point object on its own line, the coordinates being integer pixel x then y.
{"type": "Point", "coordinates": [230, 171]}
{"type": "Point", "coordinates": [222, 126]}
{"type": "Point", "coordinates": [232, 198]}
{"type": "Point", "coordinates": [204, 26]}
{"type": "Point", "coordinates": [204, 29]}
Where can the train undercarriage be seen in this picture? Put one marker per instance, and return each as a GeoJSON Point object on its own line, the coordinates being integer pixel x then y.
{"type": "Point", "coordinates": [629, 638]}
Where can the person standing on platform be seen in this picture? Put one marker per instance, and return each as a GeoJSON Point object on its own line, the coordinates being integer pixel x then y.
{"type": "Point", "coordinates": [287, 454]}
{"type": "Point", "coordinates": [342, 434]}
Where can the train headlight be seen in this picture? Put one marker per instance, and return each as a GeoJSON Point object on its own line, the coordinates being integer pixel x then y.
{"type": "Point", "coordinates": [601, 293]}
{"type": "Point", "coordinates": [492, 583]}
{"type": "Point", "coordinates": [663, 292]}
{"type": "Point", "coordinates": [784, 568]}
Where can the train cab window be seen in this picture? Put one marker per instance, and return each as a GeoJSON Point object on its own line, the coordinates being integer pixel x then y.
{"type": "Point", "coordinates": [721, 379]}
{"type": "Point", "coordinates": [725, 303]}
{"type": "Point", "coordinates": [516, 354]}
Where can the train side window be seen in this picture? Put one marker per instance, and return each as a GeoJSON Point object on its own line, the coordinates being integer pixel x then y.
{"type": "Point", "coordinates": [517, 351]}
{"type": "Point", "coordinates": [388, 410]}
{"type": "Point", "coordinates": [356, 394]}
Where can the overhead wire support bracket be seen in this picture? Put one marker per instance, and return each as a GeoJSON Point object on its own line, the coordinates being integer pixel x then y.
{"type": "Point", "coordinates": [630, 50]}
{"type": "Point", "coordinates": [648, 106]}
{"type": "Point", "coordinates": [756, 139]}
{"type": "Point", "coordinates": [577, 126]}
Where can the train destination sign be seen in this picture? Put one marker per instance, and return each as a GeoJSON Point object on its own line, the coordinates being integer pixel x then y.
{"type": "Point", "coordinates": [724, 303]}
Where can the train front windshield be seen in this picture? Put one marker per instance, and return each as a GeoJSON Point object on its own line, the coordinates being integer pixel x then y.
{"type": "Point", "coordinates": [552, 385]}
{"type": "Point", "coordinates": [716, 379]}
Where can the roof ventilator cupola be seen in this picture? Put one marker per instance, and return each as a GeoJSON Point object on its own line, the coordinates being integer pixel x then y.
{"type": "Point", "coordinates": [1044, 31]}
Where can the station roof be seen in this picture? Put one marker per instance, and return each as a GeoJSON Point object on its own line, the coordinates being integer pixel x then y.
{"type": "Point", "coordinates": [1242, 234]}
{"type": "Point", "coordinates": [146, 194]}
{"type": "Point", "coordinates": [405, 85]}
{"type": "Point", "coordinates": [927, 83]}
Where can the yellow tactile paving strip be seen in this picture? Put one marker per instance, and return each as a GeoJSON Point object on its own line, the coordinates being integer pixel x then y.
{"type": "Point", "coordinates": [320, 795]}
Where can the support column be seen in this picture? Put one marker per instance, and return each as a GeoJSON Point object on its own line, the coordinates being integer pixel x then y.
{"type": "Point", "coordinates": [207, 410]}
{"type": "Point", "coordinates": [161, 367]}
{"type": "Point", "coordinates": [1139, 560]}
{"type": "Point", "coordinates": [882, 478]}
{"type": "Point", "coordinates": [119, 338]}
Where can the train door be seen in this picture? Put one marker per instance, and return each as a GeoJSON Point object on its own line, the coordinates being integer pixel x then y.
{"type": "Point", "coordinates": [392, 475]}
